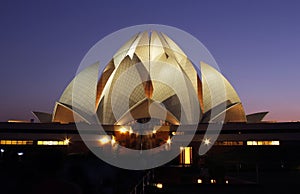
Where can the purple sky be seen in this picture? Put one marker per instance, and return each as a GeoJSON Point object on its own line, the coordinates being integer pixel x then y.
{"type": "Point", "coordinates": [255, 43]}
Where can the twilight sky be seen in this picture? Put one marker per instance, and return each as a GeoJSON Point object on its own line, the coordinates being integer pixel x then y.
{"type": "Point", "coordinates": [255, 43]}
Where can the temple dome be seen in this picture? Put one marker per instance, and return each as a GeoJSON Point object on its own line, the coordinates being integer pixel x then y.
{"type": "Point", "coordinates": [141, 62]}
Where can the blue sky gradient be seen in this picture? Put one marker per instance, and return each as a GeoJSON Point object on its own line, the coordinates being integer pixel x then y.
{"type": "Point", "coordinates": [255, 43]}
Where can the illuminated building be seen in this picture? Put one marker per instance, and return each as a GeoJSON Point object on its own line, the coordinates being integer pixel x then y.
{"type": "Point", "coordinates": [151, 53]}
{"type": "Point", "coordinates": [143, 66]}
{"type": "Point", "coordinates": [246, 143]}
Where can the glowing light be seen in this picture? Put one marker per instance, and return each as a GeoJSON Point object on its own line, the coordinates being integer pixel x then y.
{"type": "Point", "coordinates": [66, 141]}
{"type": "Point", "coordinates": [207, 141]}
{"type": "Point", "coordinates": [226, 181]}
{"type": "Point", "coordinates": [275, 143]}
{"type": "Point", "coordinates": [130, 131]}
{"type": "Point", "coordinates": [173, 133]}
{"type": "Point", "coordinates": [212, 181]}
{"type": "Point", "coordinates": [199, 181]}
{"type": "Point", "coordinates": [169, 141]}
{"type": "Point", "coordinates": [123, 130]}
{"type": "Point", "coordinates": [159, 185]}
{"type": "Point", "coordinates": [168, 144]}
{"type": "Point", "coordinates": [113, 140]}
{"type": "Point", "coordinates": [186, 155]}
{"type": "Point", "coordinates": [20, 153]}
{"type": "Point", "coordinates": [2, 150]}
{"type": "Point", "coordinates": [154, 131]}
{"type": "Point", "coordinates": [18, 121]}
{"type": "Point", "coordinates": [104, 140]}
{"type": "Point", "coordinates": [16, 142]}
{"type": "Point", "coordinates": [53, 143]}
{"type": "Point", "coordinates": [260, 143]}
